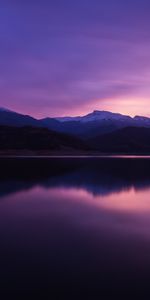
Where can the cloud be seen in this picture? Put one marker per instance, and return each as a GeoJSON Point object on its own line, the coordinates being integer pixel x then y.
{"type": "Point", "coordinates": [59, 56]}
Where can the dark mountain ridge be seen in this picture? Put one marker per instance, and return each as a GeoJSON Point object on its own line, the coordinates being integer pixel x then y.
{"type": "Point", "coordinates": [36, 138]}
{"type": "Point", "coordinates": [85, 127]}
{"type": "Point", "coordinates": [98, 132]}
{"type": "Point", "coordinates": [11, 118]}
{"type": "Point", "coordinates": [126, 140]}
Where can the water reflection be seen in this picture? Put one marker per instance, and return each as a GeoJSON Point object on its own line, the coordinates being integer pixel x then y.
{"type": "Point", "coordinates": [75, 227]}
{"type": "Point", "coordinates": [96, 176]}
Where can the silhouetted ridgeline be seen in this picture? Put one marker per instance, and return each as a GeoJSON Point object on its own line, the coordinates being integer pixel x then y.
{"type": "Point", "coordinates": [126, 140]}
{"type": "Point", "coordinates": [20, 140]}
{"type": "Point", "coordinates": [88, 126]}
{"type": "Point", "coordinates": [35, 138]}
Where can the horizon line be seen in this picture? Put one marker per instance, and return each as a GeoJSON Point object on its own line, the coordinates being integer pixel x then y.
{"type": "Point", "coordinates": [72, 116]}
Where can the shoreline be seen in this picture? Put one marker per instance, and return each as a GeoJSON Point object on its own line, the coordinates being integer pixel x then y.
{"type": "Point", "coordinates": [75, 156]}
{"type": "Point", "coordinates": [67, 154]}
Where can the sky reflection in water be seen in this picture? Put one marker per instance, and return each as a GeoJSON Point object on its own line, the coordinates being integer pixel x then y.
{"type": "Point", "coordinates": [82, 227]}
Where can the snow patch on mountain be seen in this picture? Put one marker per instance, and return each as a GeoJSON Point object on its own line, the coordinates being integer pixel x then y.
{"type": "Point", "coordinates": [96, 115]}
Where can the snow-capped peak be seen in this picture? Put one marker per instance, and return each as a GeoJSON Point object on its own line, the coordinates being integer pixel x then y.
{"type": "Point", "coordinates": [96, 115]}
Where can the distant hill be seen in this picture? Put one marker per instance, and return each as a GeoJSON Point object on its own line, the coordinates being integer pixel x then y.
{"type": "Point", "coordinates": [126, 140]}
{"type": "Point", "coordinates": [33, 138]}
{"type": "Point", "coordinates": [97, 122]}
{"type": "Point", "coordinates": [99, 131]}
{"type": "Point", "coordinates": [85, 127]}
{"type": "Point", "coordinates": [11, 118]}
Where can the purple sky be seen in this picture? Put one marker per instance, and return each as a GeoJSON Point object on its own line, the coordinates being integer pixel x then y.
{"type": "Point", "coordinates": [65, 57]}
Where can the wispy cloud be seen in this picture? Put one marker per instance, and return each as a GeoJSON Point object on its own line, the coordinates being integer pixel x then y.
{"type": "Point", "coordinates": [65, 56]}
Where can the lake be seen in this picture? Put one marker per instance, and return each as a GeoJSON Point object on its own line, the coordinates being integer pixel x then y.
{"type": "Point", "coordinates": [75, 227]}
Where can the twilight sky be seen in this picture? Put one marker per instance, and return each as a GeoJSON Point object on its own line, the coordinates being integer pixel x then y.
{"type": "Point", "coordinates": [70, 57]}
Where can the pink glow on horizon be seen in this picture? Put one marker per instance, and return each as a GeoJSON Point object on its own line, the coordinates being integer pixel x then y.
{"type": "Point", "coordinates": [71, 59]}
{"type": "Point", "coordinates": [125, 106]}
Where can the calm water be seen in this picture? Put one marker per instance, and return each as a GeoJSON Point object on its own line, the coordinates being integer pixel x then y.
{"type": "Point", "coordinates": [75, 228]}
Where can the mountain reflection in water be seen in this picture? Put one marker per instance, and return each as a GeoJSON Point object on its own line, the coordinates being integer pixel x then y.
{"type": "Point", "coordinates": [96, 176]}
{"type": "Point", "coordinates": [75, 227]}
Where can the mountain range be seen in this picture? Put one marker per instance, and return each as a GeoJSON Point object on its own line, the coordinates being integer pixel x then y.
{"type": "Point", "coordinates": [101, 131]}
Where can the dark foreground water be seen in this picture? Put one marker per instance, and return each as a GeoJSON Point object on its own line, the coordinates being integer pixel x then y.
{"type": "Point", "coordinates": [75, 228]}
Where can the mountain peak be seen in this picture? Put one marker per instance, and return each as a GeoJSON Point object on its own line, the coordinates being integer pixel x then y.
{"type": "Point", "coordinates": [97, 112]}
{"type": "Point", "coordinates": [98, 115]}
